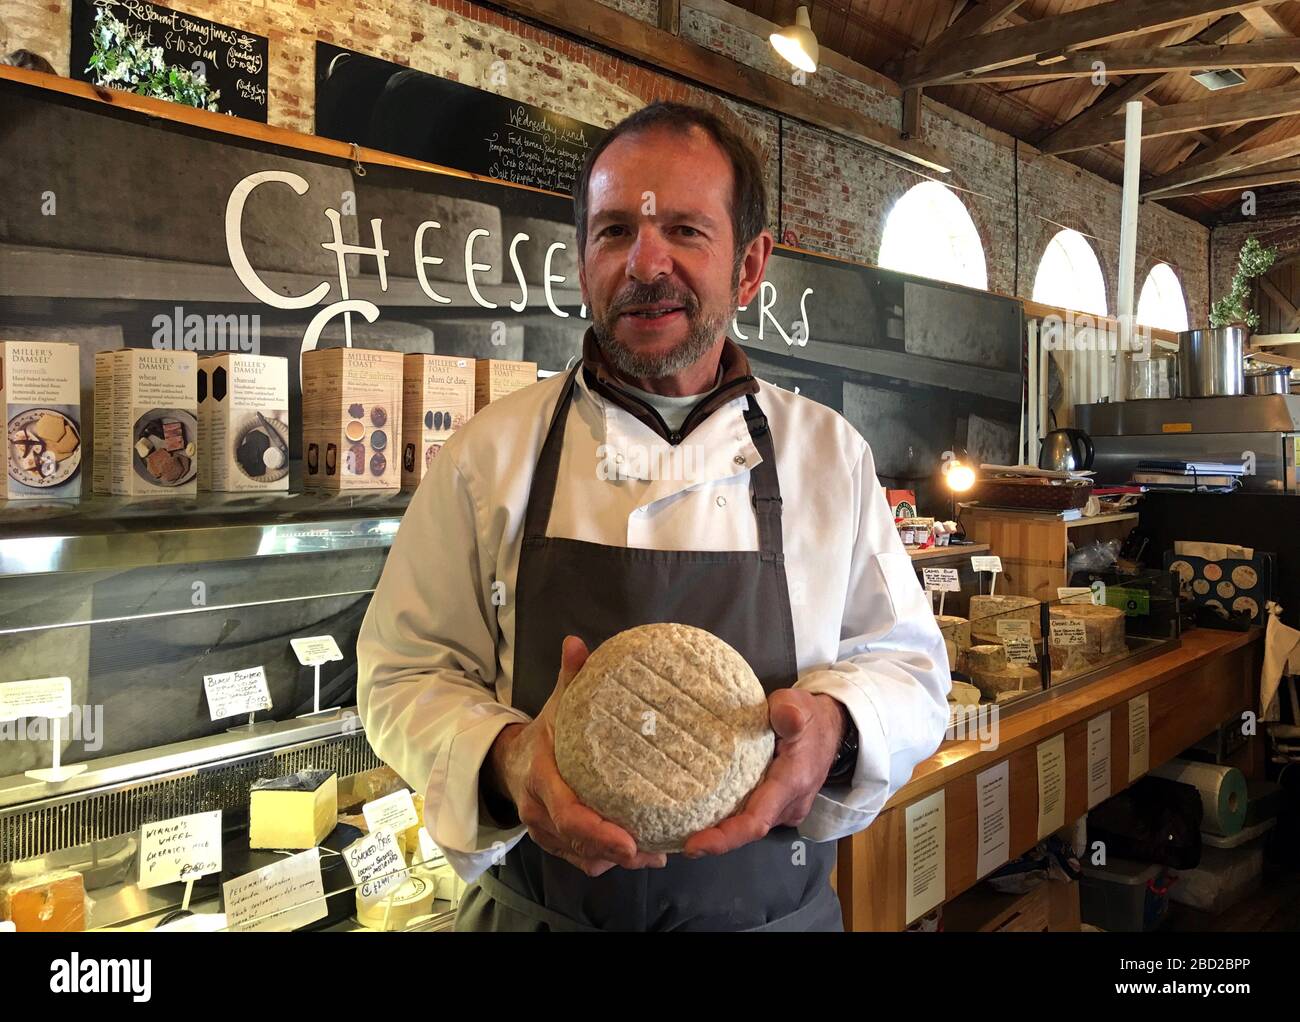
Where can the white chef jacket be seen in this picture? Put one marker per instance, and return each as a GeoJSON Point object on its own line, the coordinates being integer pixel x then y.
{"type": "Point", "coordinates": [435, 652]}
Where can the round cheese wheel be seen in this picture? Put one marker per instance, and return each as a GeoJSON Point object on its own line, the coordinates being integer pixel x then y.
{"type": "Point", "coordinates": [987, 611]}
{"type": "Point", "coordinates": [413, 898]}
{"type": "Point", "coordinates": [955, 629]}
{"type": "Point", "coordinates": [664, 731]}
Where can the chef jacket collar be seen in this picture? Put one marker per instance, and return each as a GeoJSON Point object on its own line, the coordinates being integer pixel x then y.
{"type": "Point", "coordinates": [736, 381]}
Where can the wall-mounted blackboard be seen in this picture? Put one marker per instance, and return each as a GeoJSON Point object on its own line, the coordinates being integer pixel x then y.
{"type": "Point", "coordinates": [230, 61]}
{"type": "Point", "coordinates": [383, 105]}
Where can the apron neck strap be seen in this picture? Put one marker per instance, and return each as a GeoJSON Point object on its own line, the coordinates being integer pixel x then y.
{"type": "Point", "coordinates": [763, 479]}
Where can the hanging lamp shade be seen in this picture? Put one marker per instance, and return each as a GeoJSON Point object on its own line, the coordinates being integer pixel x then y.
{"type": "Point", "coordinates": [796, 43]}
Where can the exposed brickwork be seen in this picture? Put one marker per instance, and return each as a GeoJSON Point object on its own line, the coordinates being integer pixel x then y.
{"type": "Point", "coordinates": [836, 191]}
{"type": "Point", "coordinates": [1282, 231]}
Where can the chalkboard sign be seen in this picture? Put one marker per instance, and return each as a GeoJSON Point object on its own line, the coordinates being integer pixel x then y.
{"type": "Point", "coordinates": [200, 63]}
{"type": "Point", "coordinates": [383, 105]}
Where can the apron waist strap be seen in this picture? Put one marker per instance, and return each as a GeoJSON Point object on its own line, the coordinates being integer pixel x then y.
{"type": "Point", "coordinates": [797, 921]}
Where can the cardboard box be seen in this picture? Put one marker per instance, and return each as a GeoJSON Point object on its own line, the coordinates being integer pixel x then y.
{"type": "Point", "coordinates": [40, 391]}
{"type": "Point", "coordinates": [146, 423]}
{"type": "Point", "coordinates": [244, 423]}
{"type": "Point", "coordinates": [494, 378]}
{"type": "Point", "coordinates": [438, 396]}
{"type": "Point", "coordinates": [352, 419]}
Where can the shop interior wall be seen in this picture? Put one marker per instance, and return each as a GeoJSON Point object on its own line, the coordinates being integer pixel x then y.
{"type": "Point", "coordinates": [833, 192]}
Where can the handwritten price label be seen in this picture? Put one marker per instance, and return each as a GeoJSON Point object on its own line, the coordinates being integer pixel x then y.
{"type": "Point", "coordinates": [237, 692]}
{"type": "Point", "coordinates": [376, 865]}
{"type": "Point", "coordinates": [1020, 650]}
{"type": "Point", "coordinates": [991, 563]}
{"type": "Point", "coordinates": [1068, 633]}
{"type": "Point", "coordinates": [941, 580]}
{"type": "Point", "coordinates": [182, 848]}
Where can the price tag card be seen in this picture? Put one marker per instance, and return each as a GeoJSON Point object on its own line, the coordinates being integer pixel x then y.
{"type": "Point", "coordinates": [316, 649]}
{"type": "Point", "coordinates": [395, 812]}
{"type": "Point", "coordinates": [1139, 735]}
{"type": "Point", "coordinates": [993, 563]}
{"type": "Point", "coordinates": [282, 896]}
{"type": "Point", "coordinates": [941, 580]}
{"type": "Point", "coordinates": [182, 848]}
{"type": "Point", "coordinates": [376, 865]}
{"type": "Point", "coordinates": [39, 697]}
{"type": "Point", "coordinates": [1020, 650]}
{"type": "Point", "coordinates": [1068, 633]}
{"type": "Point", "coordinates": [237, 692]}
{"type": "Point", "coordinates": [1074, 594]}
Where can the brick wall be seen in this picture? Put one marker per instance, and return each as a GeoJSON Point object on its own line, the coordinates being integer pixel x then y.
{"type": "Point", "coordinates": [1282, 231]}
{"type": "Point", "coordinates": [835, 191]}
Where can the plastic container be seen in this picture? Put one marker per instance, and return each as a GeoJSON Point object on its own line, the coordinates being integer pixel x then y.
{"type": "Point", "coordinates": [1124, 896]}
{"type": "Point", "coordinates": [1230, 869]}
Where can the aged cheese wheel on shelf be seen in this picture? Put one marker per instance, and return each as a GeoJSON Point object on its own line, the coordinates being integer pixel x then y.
{"type": "Point", "coordinates": [664, 731]}
{"type": "Point", "coordinates": [987, 611]}
{"type": "Point", "coordinates": [1103, 627]}
{"type": "Point", "coordinates": [48, 903]}
{"type": "Point", "coordinates": [950, 648]}
{"type": "Point", "coordinates": [1009, 677]}
{"type": "Point", "coordinates": [955, 629]}
{"type": "Point", "coordinates": [414, 897]}
{"type": "Point", "coordinates": [963, 694]}
{"type": "Point", "coordinates": [985, 657]}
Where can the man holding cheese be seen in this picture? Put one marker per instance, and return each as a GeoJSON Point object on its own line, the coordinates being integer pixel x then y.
{"type": "Point", "coordinates": [522, 551]}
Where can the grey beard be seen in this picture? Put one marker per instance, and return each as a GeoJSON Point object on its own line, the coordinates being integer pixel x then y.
{"type": "Point", "coordinates": [703, 334]}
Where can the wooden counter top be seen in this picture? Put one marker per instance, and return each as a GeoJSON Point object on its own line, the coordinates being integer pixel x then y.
{"type": "Point", "coordinates": [1191, 690]}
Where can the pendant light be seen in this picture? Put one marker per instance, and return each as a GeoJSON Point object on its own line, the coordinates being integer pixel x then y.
{"type": "Point", "coordinates": [796, 43]}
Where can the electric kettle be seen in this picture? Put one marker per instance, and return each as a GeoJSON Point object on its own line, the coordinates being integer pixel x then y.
{"type": "Point", "coordinates": [1066, 450]}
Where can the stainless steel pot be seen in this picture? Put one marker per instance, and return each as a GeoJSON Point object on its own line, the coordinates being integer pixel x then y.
{"type": "Point", "coordinates": [1209, 362]}
{"type": "Point", "coordinates": [1273, 380]}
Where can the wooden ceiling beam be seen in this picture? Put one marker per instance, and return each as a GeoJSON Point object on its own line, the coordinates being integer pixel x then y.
{"type": "Point", "coordinates": [1148, 60]}
{"type": "Point", "coordinates": [1087, 26]}
{"type": "Point", "coordinates": [977, 19]}
{"type": "Point", "coordinates": [1234, 163]}
{"type": "Point", "coordinates": [1276, 173]}
{"type": "Point", "coordinates": [1118, 93]}
{"type": "Point", "coordinates": [1211, 112]}
{"type": "Point", "coordinates": [604, 26]}
{"type": "Point", "coordinates": [1228, 144]}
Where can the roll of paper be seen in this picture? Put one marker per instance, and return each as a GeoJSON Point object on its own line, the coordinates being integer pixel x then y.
{"type": "Point", "coordinates": [1223, 792]}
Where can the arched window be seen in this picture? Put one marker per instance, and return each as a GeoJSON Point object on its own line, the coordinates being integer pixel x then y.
{"type": "Point", "coordinates": [1161, 303]}
{"type": "Point", "coordinates": [929, 233]}
{"type": "Point", "coordinates": [1069, 275]}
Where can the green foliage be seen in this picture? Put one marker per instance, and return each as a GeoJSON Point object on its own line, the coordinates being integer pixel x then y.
{"type": "Point", "coordinates": [122, 59]}
{"type": "Point", "coordinates": [1253, 262]}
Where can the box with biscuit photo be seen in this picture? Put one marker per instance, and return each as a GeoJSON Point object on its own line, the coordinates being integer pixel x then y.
{"type": "Point", "coordinates": [494, 378]}
{"type": "Point", "coordinates": [244, 423]}
{"type": "Point", "coordinates": [437, 399]}
{"type": "Point", "coordinates": [40, 391]}
{"type": "Point", "coordinates": [352, 419]}
{"type": "Point", "coordinates": [146, 423]}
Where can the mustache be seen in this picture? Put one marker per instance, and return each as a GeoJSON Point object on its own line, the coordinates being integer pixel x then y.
{"type": "Point", "coordinates": [646, 294]}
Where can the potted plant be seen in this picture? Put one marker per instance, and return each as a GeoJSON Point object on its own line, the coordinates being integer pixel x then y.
{"type": "Point", "coordinates": [1210, 361]}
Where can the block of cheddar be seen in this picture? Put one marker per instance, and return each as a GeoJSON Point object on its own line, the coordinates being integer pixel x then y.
{"type": "Point", "coordinates": [294, 812]}
{"type": "Point", "coordinates": [48, 903]}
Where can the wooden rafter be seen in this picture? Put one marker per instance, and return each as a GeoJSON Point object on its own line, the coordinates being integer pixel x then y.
{"type": "Point", "coordinates": [1087, 26]}
{"type": "Point", "coordinates": [1144, 61]}
{"type": "Point", "coordinates": [1177, 118]}
{"type": "Point", "coordinates": [976, 19]}
{"type": "Point", "coordinates": [1228, 144]}
{"type": "Point", "coordinates": [1118, 93]}
{"type": "Point", "coordinates": [1276, 173]}
{"type": "Point", "coordinates": [1233, 163]}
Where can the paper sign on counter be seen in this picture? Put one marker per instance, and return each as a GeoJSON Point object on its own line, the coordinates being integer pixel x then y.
{"type": "Point", "coordinates": [1139, 736]}
{"type": "Point", "coordinates": [182, 848]}
{"type": "Point", "coordinates": [376, 865]}
{"type": "Point", "coordinates": [993, 826]}
{"type": "Point", "coordinates": [1098, 759]}
{"type": "Point", "coordinates": [237, 692]}
{"type": "Point", "coordinates": [942, 580]}
{"type": "Point", "coordinates": [39, 697]}
{"type": "Point", "coordinates": [396, 812]}
{"type": "Point", "coordinates": [1068, 633]}
{"type": "Point", "coordinates": [926, 854]}
{"type": "Point", "coordinates": [316, 649]}
{"type": "Point", "coordinates": [1051, 786]}
{"type": "Point", "coordinates": [1074, 594]}
{"type": "Point", "coordinates": [283, 896]}
{"type": "Point", "coordinates": [989, 563]}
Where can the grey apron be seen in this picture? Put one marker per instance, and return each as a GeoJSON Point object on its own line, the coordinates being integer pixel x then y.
{"type": "Point", "coordinates": [568, 586]}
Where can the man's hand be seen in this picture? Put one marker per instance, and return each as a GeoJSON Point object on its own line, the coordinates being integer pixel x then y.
{"type": "Point", "coordinates": [522, 765]}
{"type": "Point", "coordinates": [808, 729]}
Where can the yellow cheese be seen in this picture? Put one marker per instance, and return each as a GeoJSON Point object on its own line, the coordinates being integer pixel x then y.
{"type": "Point", "coordinates": [49, 903]}
{"type": "Point", "coordinates": [294, 812]}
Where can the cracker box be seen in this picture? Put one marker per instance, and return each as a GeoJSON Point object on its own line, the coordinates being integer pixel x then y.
{"type": "Point", "coordinates": [146, 423]}
{"type": "Point", "coordinates": [494, 378]}
{"type": "Point", "coordinates": [244, 423]}
{"type": "Point", "coordinates": [437, 399]}
{"type": "Point", "coordinates": [40, 391]}
{"type": "Point", "coordinates": [352, 419]}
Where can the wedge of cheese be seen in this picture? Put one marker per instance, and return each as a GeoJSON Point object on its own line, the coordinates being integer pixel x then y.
{"type": "Point", "coordinates": [294, 812]}
{"type": "Point", "coordinates": [49, 903]}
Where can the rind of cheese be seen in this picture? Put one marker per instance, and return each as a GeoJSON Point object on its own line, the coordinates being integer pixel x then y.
{"type": "Point", "coordinates": [48, 903]}
{"type": "Point", "coordinates": [1103, 627]}
{"type": "Point", "coordinates": [955, 629]}
{"type": "Point", "coordinates": [414, 897]}
{"type": "Point", "coordinates": [664, 731]}
{"type": "Point", "coordinates": [987, 611]}
{"type": "Point", "coordinates": [963, 694]}
{"type": "Point", "coordinates": [987, 657]}
{"type": "Point", "coordinates": [1007, 678]}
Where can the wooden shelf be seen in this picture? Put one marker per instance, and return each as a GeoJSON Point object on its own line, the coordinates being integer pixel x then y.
{"type": "Point", "coordinates": [945, 553]}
